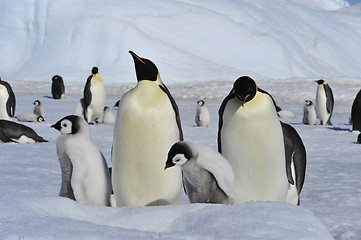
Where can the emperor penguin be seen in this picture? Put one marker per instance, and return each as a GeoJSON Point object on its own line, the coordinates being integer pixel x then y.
{"type": "Point", "coordinates": [250, 137]}
{"type": "Point", "coordinates": [57, 87]}
{"type": "Point", "coordinates": [7, 101]}
{"type": "Point", "coordinates": [38, 108]}
{"type": "Point", "coordinates": [207, 176]}
{"type": "Point", "coordinates": [202, 114]}
{"type": "Point", "coordinates": [29, 117]}
{"type": "Point", "coordinates": [108, 116]}
{"type": "Point", "coordinates": [356, 113]}
{"type": "Point", "coordinates": [15, 132]}
{"type": "Point", "coordinates": [324, 102]}
{"type": "Point", "coordinates": [309, 113]}
{"type": "Point", "coordinates": [85, 174]}
{"type": "Point", "coordinates": [94, 96]}
{"type": "Point", "coordinates": [295, 153]}
{"type": "Point", "coordinates": [146, 127]}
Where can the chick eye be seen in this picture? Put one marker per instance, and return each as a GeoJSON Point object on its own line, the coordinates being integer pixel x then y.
{"type": "Point", "coordinates": [65, 125]}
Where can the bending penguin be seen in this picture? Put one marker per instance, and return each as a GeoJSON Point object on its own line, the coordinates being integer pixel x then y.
{"type": "Point", "coordinates": [57, 87]}
{"type": "Point", "coordinates": [7, 101]}
{"type": "Point", "coordinates": [250, 137]}
{"type": "Point", "coordinates": [146, 127]}
{"type": "Point", "coordinates": [356, 113]}
{"type": "Point", "coordinates": [207, 176]}
{"type": "Point", "coordinates": [85, 174]}
{"type": "Point", "coordinates": [15, 132]}
{"type": "Point", "coordinates": [202, 114]}
{"type": "Point", "coordinates": [94, 96]}
{"type": "Point", "coordinates": [324, 102]}
{"type": "Point", "coordinates": [309, 113]}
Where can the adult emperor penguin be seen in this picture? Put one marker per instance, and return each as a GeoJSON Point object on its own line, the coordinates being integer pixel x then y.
{"type": "Point", "coordinates": [324, 102]}
{"type": "Point", "coordinates": [57, 87]}
{"type": "Point", "coordinates": [146, 127]}
{"type": "Point", "coordinates": [250, 137]}
{"type": "Point", "coordinates": [202, 114]}
{"type": "Point", "coordinates": [7, 101]}
{"type": "Point", "coordinates": [85, 175]}
{"type": "Point", "coordinates": [15, 132]}
{"type": "Point", "coordinates": [309, 113]}
{"type": "Point", "coordinates": [356, 113]}
{"type": "Point", "coordinates": [295, 163]}
{"type": "Point", "coordinates": [207, 176]}
{"type": "Point", "coordinates": [38, 108]}
{"type": "Point", "coordinates": [94, 96]}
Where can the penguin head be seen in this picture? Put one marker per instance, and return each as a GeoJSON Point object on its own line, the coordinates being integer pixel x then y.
{"type": "Point", "coordinates": [95, 70]}
{"type": "Point", "coordinates": [308, 102]}
{"type": "Point", "coordinates": [37, 103]}
{"type": "Point", "coordinates": [200, 102]}
{"type": "Point", "coordinates": [178, 154]}
{"type": "Point", "coordinates": [55, 78]}
{"type": "Point", "coordinates": [144, 68]}
{"type": "Point", "coordinates": [72, 124]}
{"type": "Point", "coordinates": [320, 82]}
{"type": "Point", "coordinates": [40, 119]}
{"type": "Point", "coordinates": [245, 89]}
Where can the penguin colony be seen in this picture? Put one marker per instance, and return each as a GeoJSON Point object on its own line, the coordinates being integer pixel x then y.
{"type": "Point", "coordinates": [259, 157]}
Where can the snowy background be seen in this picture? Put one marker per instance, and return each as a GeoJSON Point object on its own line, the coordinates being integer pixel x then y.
{"type": "Point", "coordinates": [200, 48]}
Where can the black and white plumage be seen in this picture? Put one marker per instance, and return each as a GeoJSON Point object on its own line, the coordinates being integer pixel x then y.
{"type": "Point", "coordinates": [85, 175]}
{"type": "Point", "coordinates": [359, 139]}
{"type": "Point", "coordinates": [309, 113]}
{"type": "Point", "coordinates": [94, 96]}
{"type": "Point", "coordinates": [295, 163]}
{"type": "Point", "coordinates": [38, 108]}
{"type": "Point", "coordinates": [108, 116]}
{"type": "Point", "coordinates": [16, 132]}
{"type": "Point", "coordinates": [116, 104]}
{"type": "Point", "coordinates": [7, 101]}
{"type": "Point", "coordinates": [207, 176]}
{"type": "Point", "coordinates": [356, 113]}
{"type": "Point", "coordinates": [202, 114]}
{"type": "Point", "coordinates": [29, 117]}
{"type": "Point", "coordinates": [57, 87]}
{"type": "Point", "coordinates": [324, 102]}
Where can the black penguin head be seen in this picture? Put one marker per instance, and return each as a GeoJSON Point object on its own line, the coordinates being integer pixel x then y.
{"type": "Point", "coordinates": [37, 103]}
{"type": "Point", "coordinates": [178, 154]}
{"type": "Point", "coordinates": [56, 78]}
{"type": "Point", "coordinates": [144, 68]}
{"type": "Point", "coordinates": [308, 102]}
{"type": "Point", "coordinates": [68, 125]}
{"type": "Point", "coordinates": [40, 119]}
{"type": "Point", "coordinates": [200, 102]}
{"type": "Point", "coordinates": [320, 82]}
{"type": "Point", "coordinates": [245, 89]}
{"type": "Point", "coordinates": [95, 70]}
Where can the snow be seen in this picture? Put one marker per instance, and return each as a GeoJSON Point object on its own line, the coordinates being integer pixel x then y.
{"type": "Point", "coordinates": [200, 48]}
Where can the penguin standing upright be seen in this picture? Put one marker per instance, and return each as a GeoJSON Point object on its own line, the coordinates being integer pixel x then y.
{"type": "Point", "coordinates": [146, 127]}
{"type": "Point", "coordinates": [85, 174]}
{"type": "Point", "coordinates": [309, 113]}
{"type": "Point", "coordinates": [94, 96]}
{"type": "Point", "coordinates": [7, 101]}
{"type": "Point", "coordinates": [324, 102]}
{"type": "Point", "coordinates": [250, 137]}
{"type": "Point", "coordinates": [207, 176]}
{"type": "Point", "coordinates": [356, 113]}
{"type": "Point", "coordinates": [202, 114]}
{"type": "Point", "coordinates": [57, 87]}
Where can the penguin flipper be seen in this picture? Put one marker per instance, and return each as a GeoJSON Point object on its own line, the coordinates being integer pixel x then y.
{"type": "Point", "coordinates": [11, 102]}
{"type": "Point", "coordinates": [289, 152]}
{"type": "Point", "coordinates": [66, 189]}
{"type": "Point", "coordinates": [329, 102]}
{"type": "Point", "coordinates": [175, 108]}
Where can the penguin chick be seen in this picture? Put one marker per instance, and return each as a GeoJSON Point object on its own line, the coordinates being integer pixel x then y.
{"type": "Point", "coordinates": [38, 108]}
{"type": "Point", "coordinates": [207, 176]}
{"type": "Point", "coordinates": [29, 117]}
{"type": "Point", "coordinates": [108, 116]}
{"type": "Point", "coordinates": [79, 108]}
{"type": "Point", "coordinates": [57, 87]}
{"type": "Point", "coordinates": [202, 115]}
{"type": "Point", "coordinates": [85, 175]}
{"type": "Point", "coordinates": [309, 113]}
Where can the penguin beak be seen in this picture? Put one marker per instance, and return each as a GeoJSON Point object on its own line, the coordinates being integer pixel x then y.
{"type": "Point", "coordinates": [243, 99]}
{"type": "Point", "coordinates": [135, 57]}
{"type": "Point", "coordinates": [56, 126]}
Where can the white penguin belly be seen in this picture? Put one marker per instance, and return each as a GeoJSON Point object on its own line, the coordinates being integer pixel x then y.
{"type": "Point", "coordinates": [252, 141]}
{"type": "Point", "coordinates": [144, 132]}
{"type": "Point", "coordinates": [292, 194]}
{"type": "Point", "coordinates": [321, 110]}
{"type": "Point", "coordinates": [3, 99]}
{"type": "Point", "coordinates": [96, 107]}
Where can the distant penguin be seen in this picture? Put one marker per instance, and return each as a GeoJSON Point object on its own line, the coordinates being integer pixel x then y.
{"type": "Point", "coordinates": [202, 114]}
{"type": "Point", "coordinates": [356, 113]}
{"type": "Point", "coordinates": [207, 176]}
{"type": "Point", "coordinates": [324, 102]}
{"type": "Point", "coordinates": [108, 116]}
{"type": "Point", "coordinates": [16, 132]}
{"type": "Point", "coordinates": [250, 137]}
{"type": "Point", "coordinates": [79, 108]}
{"type": "Point", "coordinates": [94, 96]}
{"type": "Point", "coordinates": [7, 101]}
{"type": "Point", "coordinates": [57, 87]}
{"type": "Point", "coordinates": [85, 175]}
{"type": "Point", "coordinates": [295, 163]}
{"type": "Point", "coordinates": [309, 113]}
{"type": "Point", "coordinates": [29, 117]}
{"type": "Point", "coordinates": [146, 127]}
{"type": "Point", "coordinates": [38, 108]}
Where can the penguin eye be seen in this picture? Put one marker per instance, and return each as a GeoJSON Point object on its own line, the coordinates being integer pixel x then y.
{"type": "Point", "coordinates": [65, 125]}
